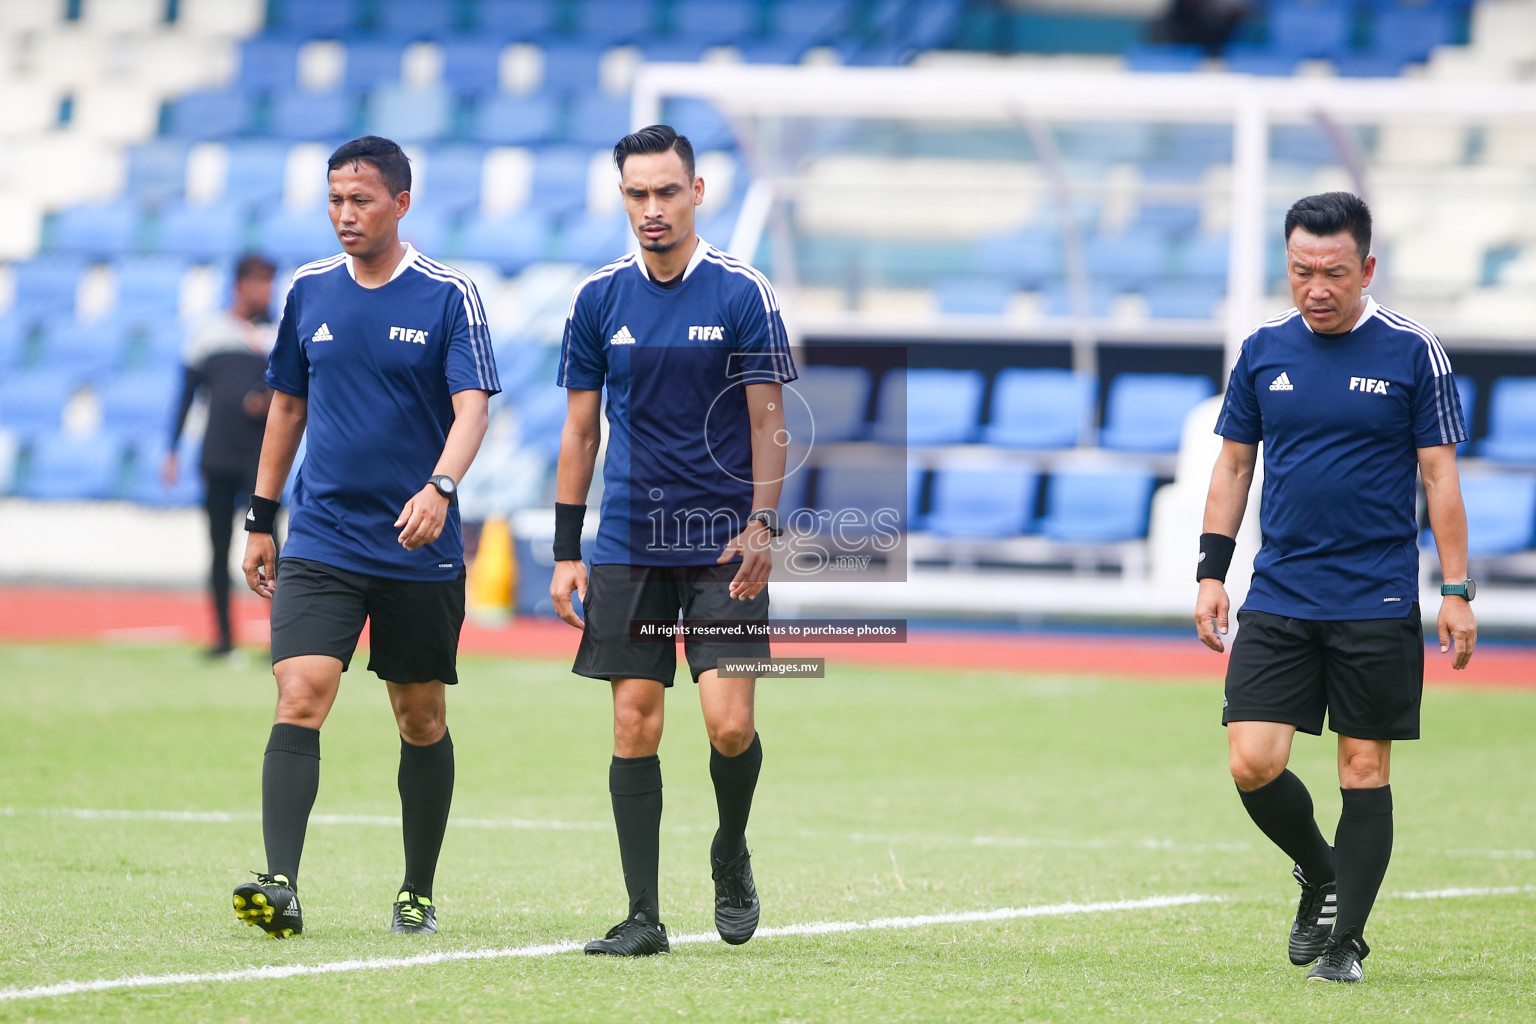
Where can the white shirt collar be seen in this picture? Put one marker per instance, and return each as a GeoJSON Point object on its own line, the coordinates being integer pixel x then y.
{"type": "Point", "coordinates": [693, 261]}
{"type": "Point", "coordinates": [400, 268]}
{"type": "Point", "coordinates": [1369, 311]}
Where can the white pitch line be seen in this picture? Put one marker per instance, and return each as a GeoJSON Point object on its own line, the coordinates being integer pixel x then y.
{"type": "Point", "coordinates": [69, 988]}
{"type": "Point", "coordinates": [548, 825]}
{"type": "Point", "coordinates": [1450, 894]}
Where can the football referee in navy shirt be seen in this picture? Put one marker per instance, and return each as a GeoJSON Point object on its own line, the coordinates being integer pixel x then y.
{"type": "Point", "coordinates": [384, 358]}
{"type": "Point", "coordinates": [1349, 399]}
{"type": "Point", "coordinates": [689, 343]}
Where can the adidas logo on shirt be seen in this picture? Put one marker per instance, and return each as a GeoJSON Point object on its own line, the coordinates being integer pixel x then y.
{"type": "Point", "coordinates": [622, 337]}
{"type": "Point", "coordinates": [1282, 383]}
{"type": "Point", "coordinates": [323, 334]}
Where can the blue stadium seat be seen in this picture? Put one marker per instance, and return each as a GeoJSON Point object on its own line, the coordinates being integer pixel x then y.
{"type": "Point", "coordinates": [603, 23]}
{"type": "Point", "coordinates": [525, 363]}
{"type": "Point", "coordinates": [408, 115]}
{"type": "Point", "coordinates": [1205, 257]}
{"type": "Point", "coordinates": [828, 404]}
{"type": "Point", "coordinates": [510, 241]}
{"type": "Point", "coordinates": [268, 63]}
{"type": "Point", "coordinates": [256, 172]}
{"type": "Point", "coordinates": [974, 296]}
{"type": "Point", "coordinates": [673, 50]}
{"type": "Point", "coordinates": [161, 345]}
{"type": "Point", "coordinates": [472, 67]}
{"type": "Point", "coordinates": [982, 503]}
{"type": "Point", "coordinates": [207, 231]}
{"type": "Point", "coordinates": [1501, 513]}
{"type": "Point", "coordinates": [1511, 421]}
{"type": "Point", "coordinates": [315, 19]}
{"type": "Point", "coordinates": [100, 230]}
{"type": "Point", "coordinates": [1144, 412]}
{"type": "Point", "coordinates": [559, 183]}
{"type": "Point", "coordinates": [1105, 506]}
{"type": "Point", "coordinates": [1248, 59]}
{"type": "Point", "coordinates": [1027, 258]}
{"type": "Point", "coordinates": [1058, 301]}
{"type": "Point", "coordinates": [1173, 219]}
{"type": "Point", "coordinates": [571, 67]}
{"type": "Point", "coordinates": [14, 334]}
{"type": "Point", "coordinates": [45, 285]}
{"type": "Point", "coordinates": [212, 114]}
{"type": "Point", "coordinates": [514, 20]}
{"type": "Point", "coordinates": [65, 468]}
{"type": "Point", "coordinates": [805, 23]}
{"type": "Point", "coordinates": [149, 287]}
{"type": "Point", "coordinates": [1408, 33]}
{"type": "Point", "coordinates": [311, 116]}
{"type": "Point", "coordinates": [429, 228]}
{"type": "Point", "coordinates": [371, 63]}
{"type": "Point", "coordinates": [32, 401]}
{"type": "Point", "coordinates": [139, 403]}
{"type": "Point", "coordinates": [928, 406]}
{"type": "Point", "coordinates": [87, 349]}
{"type": "Point", "coordinates": [1311, 30]}
{"type": "Point", "coordinates": [701, 123]}
{"type": "Point", "coordinates": [714, 22]}
{"type": "Point", "coordinates": [296, 236]}
{"type": "Point", "coordinates": [144, 484]}
{"type": "Point", "coordinates": [504, 120]}
{"type": "Point", "coordinates": [859, 492]}
{"type": "Point", "coordinates": [408, 20]}
{"type": "Point", "coordinates": [1110, 142]}
{"type": "Point", "coordinates": [449, 178]}
{"type": "Point", "coordinates": [1129, 259]}
{"type": "Point", "coordinates": [1164, 57]}
{"type": "Point", "coordinates": [772, 51]}
{"type": "Point", "coordinates": [540, 419]}
{"type": "Point", "coordinates": [157, 170]}
{"type": "Point", "coordinates": [598, 120]}
{"type": "Point", "coordinates": [1184, 299]}
{"type": "Point", "coordinates": [1196, 144]}
{"type": "Point", "coordinates": [1302, 144]}
{"type": "Point", "coordinates": [595, 239]}
{"type": "Point", "coordinates": [1042, 408]}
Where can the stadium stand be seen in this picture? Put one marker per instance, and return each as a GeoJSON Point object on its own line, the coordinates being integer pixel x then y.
{"type": "Point", "coordinates": [140, 177]}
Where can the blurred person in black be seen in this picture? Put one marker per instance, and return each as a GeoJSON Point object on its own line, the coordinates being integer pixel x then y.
{"type": "Point", "coordinates": [1208, 24]}
{"type": "Point", "coordinates": [224, 359]}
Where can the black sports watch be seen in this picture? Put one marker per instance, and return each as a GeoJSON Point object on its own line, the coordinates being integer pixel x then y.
{"type": "Point", "coordinates": [770, 520]}
{"type": "Point", "coordinates": [445, 485]}
{"type": "Point", "coordinates": [1467, 590]}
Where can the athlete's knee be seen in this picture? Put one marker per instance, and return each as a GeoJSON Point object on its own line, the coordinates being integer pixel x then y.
{"type": "Point", "coordinates": [732, 733]}
{"type": "Point", "coordinates": [1252, 768]}
{"type": "Point", "coordinates": [302, 700]}
{"type": "Point", "coordinates": [636, 728]}
{"type": "Point", "coordinates": [421, 725]}
{"type": "Point", "coordinates": [1362, 768]}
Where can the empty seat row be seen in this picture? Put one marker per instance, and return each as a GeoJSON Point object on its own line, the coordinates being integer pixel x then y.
{"type": "Point", "coordinates": [1030, 408]}
{"type": "Point", "coordinates": [106, 464]}
{"type": "Point", "coordinates": [1501, 514]}
{"type": "Point", "coordinates": [1085, 506]}
{"type": "Point", "coordinates": [33, 402]}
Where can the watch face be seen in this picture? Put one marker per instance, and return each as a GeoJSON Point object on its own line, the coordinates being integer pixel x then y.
{"type": "Point", "coordinates": [444, 484]}
{"type": "Point", "coordinates": [1471, 589]}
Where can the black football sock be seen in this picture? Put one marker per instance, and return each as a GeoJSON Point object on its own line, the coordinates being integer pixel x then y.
{"type": "Point", "coordinates": [290, 778]}
{"type": "Point", "coordinates": [1282, 808]}
{"type": "Point", "coordinates": [735, 781]}
{"type": "Point", "coordinates": [426, 792]}
{"type": "Point", "coordinates": [635, 785]}
{"type": "Point", "coordinates": [1363, 846]}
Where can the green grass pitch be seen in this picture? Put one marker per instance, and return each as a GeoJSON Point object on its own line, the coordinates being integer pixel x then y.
{"type": "Point", "coordinates": [884, 794]}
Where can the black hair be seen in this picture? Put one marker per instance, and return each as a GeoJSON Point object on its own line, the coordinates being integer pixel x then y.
{"type": "Point", "coordinates": [254, 265]}
{"type": "Point", "coordinates": [393, 165]}
{"type": "Point", "coordinates": [658, 138]}
{"type": "Point", "coordinates": [1332, 213]}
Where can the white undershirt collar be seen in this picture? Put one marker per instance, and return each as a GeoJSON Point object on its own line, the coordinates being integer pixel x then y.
{"type": "Point", "coordinates": [405, 262]}
{"type": "Point", "coordinates": [693, 261]}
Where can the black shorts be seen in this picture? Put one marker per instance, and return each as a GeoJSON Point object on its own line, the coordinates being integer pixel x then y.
{"type": "Point", "coordinates": [414, 624]}
{"type": "Point", "coordinates": [1367, 674]}
{"type": "Point", "coordinates": [617, 594]}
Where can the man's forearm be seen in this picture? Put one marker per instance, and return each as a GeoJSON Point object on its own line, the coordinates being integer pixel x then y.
{"type": "Point", "coordinates": [1448, 522]}
{"type": "Point", "coordinates": [280, 443]}
{"type": "Point", "coordinates": [768, 461]}
{"type": "Point", "coordinates": [462, 443]}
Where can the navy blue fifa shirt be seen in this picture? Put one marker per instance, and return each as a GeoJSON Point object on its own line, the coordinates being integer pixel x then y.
{"type": "Point", "coordinates": [378, 367]}
{"type": "Point", "coordinates": [677, 478]}
{"type": "Point", "coordinates": [1342, 418]}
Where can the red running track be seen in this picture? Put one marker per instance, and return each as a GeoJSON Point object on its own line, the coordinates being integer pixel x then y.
{"type": "Point", "coordinates": [37, 614]}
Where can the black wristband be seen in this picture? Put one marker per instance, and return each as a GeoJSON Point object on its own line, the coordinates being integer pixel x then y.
{"type": "Point", "coordinates": [1215, 556]}
{"type": "Point", "coordinates": [262, 515]}
{"type": "Point", "coordinates": [568, 520]}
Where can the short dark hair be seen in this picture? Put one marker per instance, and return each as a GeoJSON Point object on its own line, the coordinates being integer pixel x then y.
{"type": "Point", "coordinates": [254, 265]}
{"type": "Point", "coordinates": [658, 138]}
{"type": "Point", "coordinates": [393, 165]}
{"type": "Point", "coordinates": [1332, 213]}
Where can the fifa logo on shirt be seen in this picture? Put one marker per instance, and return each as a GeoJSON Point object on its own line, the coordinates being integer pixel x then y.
{"type": "Point", "coordinates": [1371, 384]}
{"type": "Point", "coordinates": [408, 334]}
{"type": "Point", "coordinates": [706, 333]}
